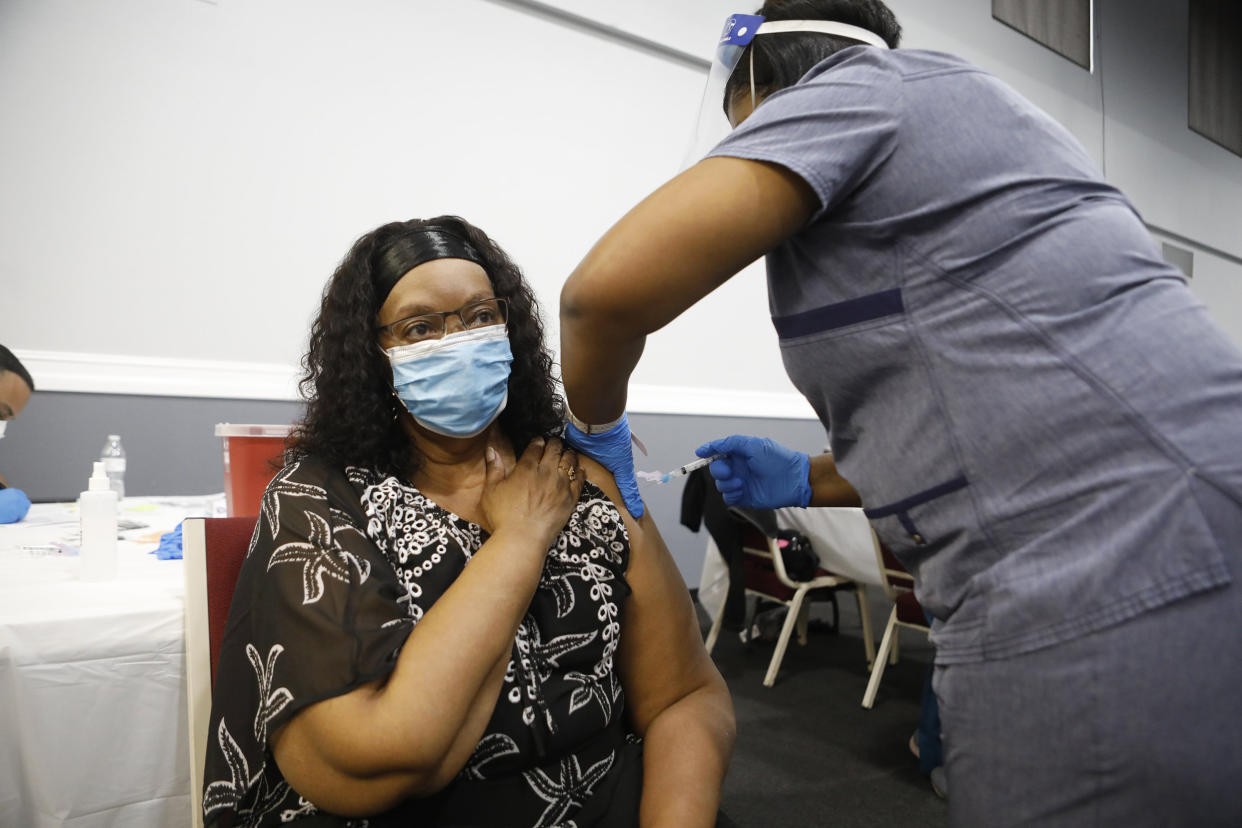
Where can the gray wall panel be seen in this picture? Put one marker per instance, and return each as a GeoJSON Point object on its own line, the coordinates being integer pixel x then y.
{"type": "Point", "coordinates": [1064, 26]}
{"type": "Point", "coordinates": [1216, 71]}
{"type": "Point", "coordinates": [170, 442]}
{"type": "Point", "coordinates": [172, 449]}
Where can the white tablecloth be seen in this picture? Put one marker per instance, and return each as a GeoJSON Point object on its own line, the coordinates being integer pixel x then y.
{"type": "Point", "coordinates": [840, 536]}
{"type": "Point", "coordinates": [92, 675]}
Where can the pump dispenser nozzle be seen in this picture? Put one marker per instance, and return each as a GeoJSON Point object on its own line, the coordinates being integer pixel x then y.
{"type": "Point", "coordinates": [99, 478]}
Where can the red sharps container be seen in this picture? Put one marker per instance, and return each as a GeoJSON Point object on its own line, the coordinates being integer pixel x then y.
{"type": "Point", "coordinates": [252, 456]}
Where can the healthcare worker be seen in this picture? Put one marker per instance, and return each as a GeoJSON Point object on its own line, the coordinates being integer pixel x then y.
{"type": "Point", "coordinates": [16, 386]}
{"type": "Point", "coordinates": [1040, 419]}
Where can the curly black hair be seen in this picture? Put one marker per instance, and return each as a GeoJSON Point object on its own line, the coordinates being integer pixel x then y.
{"type": "Point", "coordinates": [352, 416]}
{"type": "Point", "coordinates": [782, 60]}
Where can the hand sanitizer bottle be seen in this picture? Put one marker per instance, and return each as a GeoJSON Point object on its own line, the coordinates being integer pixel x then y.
{"type": "Point", "coordinates": [98, 509]}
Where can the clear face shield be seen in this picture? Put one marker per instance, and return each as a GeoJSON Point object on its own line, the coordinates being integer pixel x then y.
{"type": "Point", "coordinates": [712, 125]}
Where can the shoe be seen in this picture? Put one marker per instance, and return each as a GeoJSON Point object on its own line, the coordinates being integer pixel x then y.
{"type": "Point", "coordinates": [768, 624]}
{"type": "Point", "coordinates": [940, 782]}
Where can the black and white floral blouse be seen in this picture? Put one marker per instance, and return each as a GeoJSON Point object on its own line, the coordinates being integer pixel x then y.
{"type": "Point", "coordinates": [340, 569]}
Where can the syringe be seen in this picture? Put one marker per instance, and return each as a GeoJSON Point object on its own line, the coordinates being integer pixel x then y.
{"type": "Point", "coordinates": [680, 471]}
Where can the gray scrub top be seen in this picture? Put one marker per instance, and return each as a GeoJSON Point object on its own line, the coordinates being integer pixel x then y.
{"type": "Point", "coordinates": [1025, 395]}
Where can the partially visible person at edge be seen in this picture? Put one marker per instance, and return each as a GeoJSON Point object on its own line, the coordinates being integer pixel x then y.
{"type": "Point", "coordinates": [16, 386]}
{"type": "Point", "coordinates": [1041, 420]}
{"type": "Point", "coordinates": [443, 619]}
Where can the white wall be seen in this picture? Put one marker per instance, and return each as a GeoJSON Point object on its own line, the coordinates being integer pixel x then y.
{"type": "Point", "coordinates": [201, 167]}
{"type": "Point", "coordinates": [1218, 284]}
{"type": "Point", "coordinates": [1181, 181]}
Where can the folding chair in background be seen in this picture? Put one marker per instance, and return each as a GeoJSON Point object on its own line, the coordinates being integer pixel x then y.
{"type": "Point", "coordinates": [766, 577]}
{"type": "Point", "coordinates": [907, 612]}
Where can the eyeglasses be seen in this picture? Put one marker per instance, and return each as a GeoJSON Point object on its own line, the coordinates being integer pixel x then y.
{"type": "Point", "coordinates": [428, 326]}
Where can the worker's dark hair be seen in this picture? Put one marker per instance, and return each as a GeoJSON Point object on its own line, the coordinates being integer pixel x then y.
{"type": "Point", "coordinates": [782, 59]}
{"type": "Point", "coordinates": [8, 362]}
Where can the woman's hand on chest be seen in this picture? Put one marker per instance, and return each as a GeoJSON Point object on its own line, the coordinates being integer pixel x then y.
{"type": "Point", "coordinates": [537, 495]}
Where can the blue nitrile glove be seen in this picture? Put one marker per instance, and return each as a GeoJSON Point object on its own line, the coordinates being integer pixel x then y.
{"type": "Point", "coordinates": [759, 473]}
{"type": "Point", "coordinates": [13, 505]}
{"type": "Point", "coordinates": [612, 449]}
{"type": "Point", "coordinates": [170, 546]}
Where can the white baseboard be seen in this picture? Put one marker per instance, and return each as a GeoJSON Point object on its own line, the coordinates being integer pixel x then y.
{"type": "Point", "coordinates": [83, 373]}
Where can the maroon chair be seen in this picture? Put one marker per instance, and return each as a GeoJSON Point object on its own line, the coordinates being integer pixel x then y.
{"type": "Point", "coordinates": [213, 551]}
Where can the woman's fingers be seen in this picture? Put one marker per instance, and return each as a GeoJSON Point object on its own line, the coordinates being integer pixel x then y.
{"type": "Point", "coordinates": [539, 492]}
{"type": "Point", "coordinates": [533, 455]}
{"type": "Point", "coordinates": [568, 469]}
{"type": "Point", "coordinates": [571, 470]}
{"type": "Point", "coordinates": [553, 461]}
{"type": "Point", "coordinates": [495, 467]}
{"type": "Point", "coordinates": [552, 451]}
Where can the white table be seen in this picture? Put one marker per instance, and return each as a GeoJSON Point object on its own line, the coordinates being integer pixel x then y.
{"type": "Point", "coordinates": [92, 675]}
{"type": "Point", "coordinates": [840, 536]}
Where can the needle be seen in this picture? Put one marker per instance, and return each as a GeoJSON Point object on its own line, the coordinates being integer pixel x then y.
{"type": "Point", "coordinates": [680, 471]}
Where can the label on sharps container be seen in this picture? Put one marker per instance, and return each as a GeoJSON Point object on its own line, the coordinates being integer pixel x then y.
{"type": "Point", "coordinates": [739, 29]}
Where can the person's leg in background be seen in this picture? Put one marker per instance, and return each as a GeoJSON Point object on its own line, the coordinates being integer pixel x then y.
{"type": "Point", "coordinates": [927, 738]}
{"type": "Point", "coordinates": [931, 754]}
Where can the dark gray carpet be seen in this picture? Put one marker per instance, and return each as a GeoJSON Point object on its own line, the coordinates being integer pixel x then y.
{"type": "Point", "coordinates": [808, 753]}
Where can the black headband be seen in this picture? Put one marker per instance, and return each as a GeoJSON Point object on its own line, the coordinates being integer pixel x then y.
{"type": "Point", "coordinates": [438, 242]}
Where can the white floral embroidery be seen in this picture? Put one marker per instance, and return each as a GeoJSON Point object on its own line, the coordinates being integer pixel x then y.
{"type": "Point", "coordinates": [250, 796]}
{"type": "Point", "coordinates": [282, 486]}
{"type": "Point", "coordinates": [305, 808]}
{"type": "Point", "coordinates": [491, 747]}
{"type": "Point", "coordinates": [594, 689]}
{"type": "Point", "coordinates": [227, 793]}
{"type": "Point", "coordinates": [271, 702]}
{"type": "Point", "coordinates": [569, 790]}
{"type": "Point", "coordinates": [319, 555]}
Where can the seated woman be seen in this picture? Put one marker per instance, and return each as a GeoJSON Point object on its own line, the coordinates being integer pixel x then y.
{"type": "Point", "coordinates": [443, 618]}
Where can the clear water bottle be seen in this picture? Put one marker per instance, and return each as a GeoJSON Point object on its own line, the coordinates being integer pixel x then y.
{"type": "Point", "coordinates": [113, 457]}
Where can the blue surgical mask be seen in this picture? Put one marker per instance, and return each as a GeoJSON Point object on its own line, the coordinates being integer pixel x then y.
{"type": "Point", "coordinates": [458, 385]}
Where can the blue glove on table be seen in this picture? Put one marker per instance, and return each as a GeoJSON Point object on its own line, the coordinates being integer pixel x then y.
{"type": "Point", "coordinates": [759, 473]}
{"type": "Point", "coordinates": [169, 548]}
{"type": "Point", "coordinates": [13, 505]}
{"type": "Point", "coordinates": [612, 449]}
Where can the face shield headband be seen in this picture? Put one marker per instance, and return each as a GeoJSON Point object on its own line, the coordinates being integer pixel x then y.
{"type": "Point", "coordinates": [739, 31]}
{"type": "Point", "coordinates": [438, 242]}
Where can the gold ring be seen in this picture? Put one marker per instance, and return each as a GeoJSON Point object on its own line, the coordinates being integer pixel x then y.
{"type": "Point", "coordinates": [572, 474]}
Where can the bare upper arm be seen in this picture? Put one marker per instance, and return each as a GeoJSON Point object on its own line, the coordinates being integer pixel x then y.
{"type": "Point", "coordinates": [332, 755]}
{"type": "Point", "coordinates": [661, 656]}
{"type": "Point", "coordinates": [685, 240]}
